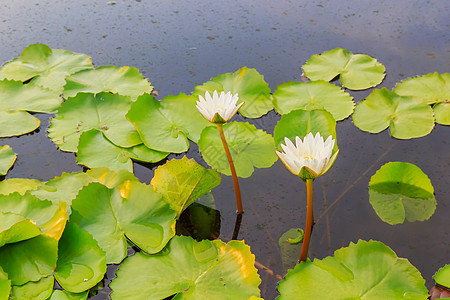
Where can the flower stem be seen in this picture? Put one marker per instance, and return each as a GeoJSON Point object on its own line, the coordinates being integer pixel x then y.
{"type": "Point", "coordinates": [309, 220]}
{"type": "Point", "coordinates": [237, 190]}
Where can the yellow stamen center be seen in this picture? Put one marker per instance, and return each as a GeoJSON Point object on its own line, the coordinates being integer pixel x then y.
{"type": "Point", "coordinates": [308, 157]}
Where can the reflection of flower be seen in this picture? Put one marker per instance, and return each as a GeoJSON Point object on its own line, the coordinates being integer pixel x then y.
{"type": "Point", "coordinates": [309, 158]}
{"type": "Point", "coordinates": [218, 109]}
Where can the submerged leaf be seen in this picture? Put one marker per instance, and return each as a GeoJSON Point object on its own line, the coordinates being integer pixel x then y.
{"type": "Point", "coordinates": [132, 209]}
{"type": "Point", "coordinates": [407, 117]}
{"type": "Point", "coordinates": [39, 290]}
{"type": "Point", "coordinates": [104, 112]}
{"type": "Point", "coordinates": [190, 270]}
{"type": "Point", "coordinates": [125, 81]}
{"type": "Point", "coordinates": [167, 125]}
{"type": "Point", "coordinates": [313, 95]}
{"type": "Point", "coordinates": [290, 248]}
{"type": "Point", "coordinates": [356, 71]}
{"type": "Point", "coordinates": [7, 159]}
{"type": "Point", "coordinates": [248, 84]}
{"type": "Point", "coordinates": [81, 262]}
{"type": "Point", "coordinates": [366, 270]}
{"type": "Point", "coordinates": [45, 66]}
{"type": "Point", "coordinates": [183, 181]}
{"type": "Point", "coordinates": [249, 148]}
{"type": "Point", "coordinates": [400, 191]}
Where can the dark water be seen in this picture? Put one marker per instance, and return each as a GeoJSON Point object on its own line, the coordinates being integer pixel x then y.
{"type": "Point", "coordinates": [180, 44]}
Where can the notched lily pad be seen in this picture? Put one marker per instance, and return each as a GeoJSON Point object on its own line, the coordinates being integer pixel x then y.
{"type": "Point", "coordinates": [407, 117]}
{"type": "Point", "coordinates": [250, 148]}
{"type": "Point", "coordinates": [191, 270]}
{"type": "Point", "coordinates": [104, 112]}
{"type": "Point", "coordinates": [313, 95]}
{"type": "Point", "coordinates": [167, 125]}
{"type": "Point", "coordinates": [132, 209]}
{"type": "Point", "coordinates": [126, 81]}
{"type": "Point", "coordinates": [46, 67]}
{"type": "Point", "coordinates": [249, 84]}
{"type": "Point", "coordinates": [20, 185]}
{"type": "Point", "coordinates": [7, 159]}
{"type": "Point", "coordinates": [401, 191]}
{"type": "Point", "coordinates": [183, 181]}
{"type": "Point", "coordinates": [366, 270]}
{"type": "Point", "coordinates": [356, 71]}
{"type": "Point", "coordinates": [81, 262]}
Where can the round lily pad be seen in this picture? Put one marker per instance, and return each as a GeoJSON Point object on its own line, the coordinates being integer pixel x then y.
{"type": "Point", "coordinates": [313, 95]}
{"type": "Point", "coordinates": [81, 262]}
{"type": "Point", "coordinates": [7, 159]}
{"type": "Point", "coordinates": [46, 67]}
{"type": "Point", "coordinates": [183, 181]}
{"type": "Point", "coordinates": [15, 228]}
{"type": "Point", "coordinates": [20, 185]}
{"type": "Point", "coordinates": [442, 277]}
{"type": "Point", "coordinates": [430, 88]}
{"type": "Point", "coordinates": [39, 290]}
{"type": "Point", "coordinates": [400, 191]}
{"type": "Point", "coordinates": [126, 81]}
{"type": "Point", "coordinates": [407, 117]}
{"type": "Point", "coordinates": [442, 113]}
{"type": "Point", "coordinates": [366, 270]}
{"type": "Point", "coordinates": [248, 84]}
{"type": "Point", "coordinates": [132, 210]}
{"type": "Point", "coordinates": [249, 148]}
{"type": "Point", "coordinates": [301, 122]}
{"type": "Point", "coordinates": [167, 125]}
{"type": "Point", "coordinates": [65, 295]}
{"type": "Point", "coordinates": [356, 71]}
{"type": "Point", "coordinates": [16, 123]}
{"type": "Point", "coordinates": [103, 111]}
{"type": "Point", "coordinates": [190, 270]}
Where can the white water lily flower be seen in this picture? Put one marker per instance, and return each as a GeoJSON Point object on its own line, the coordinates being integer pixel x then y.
{"type": "Point", "coordinates": [308, 158]}
{"type": "Point", "coordinates": [218, 109]}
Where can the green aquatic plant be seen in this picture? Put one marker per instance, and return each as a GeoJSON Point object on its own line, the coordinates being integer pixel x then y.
{"type": "Point", "coordinates": [355, 71]}
{"type": "Point", "coordinates": [7, 159]}
{"type": "Point", "coordinates": [365, 270]}
{"type": "Point", "coordinates": [401, 191]}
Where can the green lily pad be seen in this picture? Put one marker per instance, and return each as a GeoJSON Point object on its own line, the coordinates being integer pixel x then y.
{"type": "Point", "coordinates": [183, 181]}
{"type": "Point", "coordinates": [64, 188]}
{"type": "Point", "coordinates": [442, 277]}
{"type": "Point", "coordinates": [250, 86]}
{"type": "Point", "coordinates": [110, 178]}
{"type": "Point", "coordinates": [125, 81]}
{"type": "Point", "coordinates": [430, 88]}
{"type": "Point", "coordinates": [366, 270]}
{"type": "Point", "coordinates": [168, 124]}
{"type": "Point", "coordinates": [407, 117]}
{"type": "Point", "coordinates": [14, 123]}
{"type": "Point", "coordinates": [356, 71]}
{"type": "Point", "coordinates": [249, 148]}
{"type": "Point", "coordinates": [29, 260]}
{"type": "Point", "coordinates": [442, 113]}
{"type": "Point", "coordinates": [45, 66]}
{"type": "Point", "coordinates": [81, 263]}
{"type": "Point", "coordinates": [301, 122]}
{"type": "Point", "coordinates": [15, 228]}
{"type": "Point", "coordinates": [20, 185]}
{"type": "Point", "coordinates": [14, 96]}
{"type": "Point", "coordinates": [64, 295]}
{"type": "Point", "coordinates": [132, 209]}
{"type": "Point", "coordinates": [190, 270]}
{"type": "Point", "coordinates": [5, 285]}
{"type": "Point", "coordinates": [400, 191]}
{"type": "Point", "coordinates": [39, 290]}
{"type": "Point", "coordinates": [104, 112]}
{"type": "Point", "coordinates": [290, 246]}
{"type": "Point", "coordinates": [7, 159]}
{"type": "Point", "coordinates": [313, 95]}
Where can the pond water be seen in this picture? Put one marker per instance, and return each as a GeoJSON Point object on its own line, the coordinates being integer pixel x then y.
{"type": "Point", "coordinates": [179, 45]}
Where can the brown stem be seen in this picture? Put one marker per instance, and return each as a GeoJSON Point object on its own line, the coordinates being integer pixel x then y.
{"type": "Point", "coordinates": [309, 220]}
{"type": "Point", "coordinates": [237, 190]}
{"type": "Point", "coordinates": [237, 226]}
